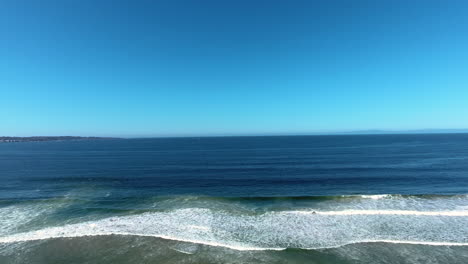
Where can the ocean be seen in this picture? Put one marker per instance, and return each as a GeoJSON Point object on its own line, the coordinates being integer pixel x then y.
{"type": "Point", "coordinates": [273, 199]}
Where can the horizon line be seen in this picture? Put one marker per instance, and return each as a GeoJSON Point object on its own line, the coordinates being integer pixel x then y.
{"type": "Point", "coordinates": [328, 133]}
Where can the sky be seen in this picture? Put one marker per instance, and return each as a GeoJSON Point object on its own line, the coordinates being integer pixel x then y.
{"type": "Point", "coordinates": [190, 68]}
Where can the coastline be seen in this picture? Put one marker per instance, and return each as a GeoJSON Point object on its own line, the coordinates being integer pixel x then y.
{"type": "Point", "coordinates": [47, 138]}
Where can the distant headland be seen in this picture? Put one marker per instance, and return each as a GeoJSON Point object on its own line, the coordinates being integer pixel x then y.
{"type": "Point", "coordinates": [45, 138]}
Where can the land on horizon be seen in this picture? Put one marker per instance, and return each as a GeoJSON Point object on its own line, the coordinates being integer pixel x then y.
{"type": "Point", "coordinates": [46, 138]}
{"type": "Point", "coordinates": [357, 132]}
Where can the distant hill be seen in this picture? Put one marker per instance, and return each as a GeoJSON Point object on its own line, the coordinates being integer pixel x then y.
{"type": "Point", "coordinates": [42, 138]}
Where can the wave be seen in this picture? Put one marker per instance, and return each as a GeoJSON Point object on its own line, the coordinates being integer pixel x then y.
{"type": "Point", "coordinates": [240, 248]}
{"type": "Point", "coordinates": [375, 196]}
{"type": "Point", "coordinates": [323, 197]}
{"type": "Point", "coordinates": [388, 212]}
{"type": "Point", "coordinates": [70, 198]}
{"type": "Point", "coordinates": [273, 230]}
{"type": "Point", "coordinates": [427, 243]}
{"type": "Point", "coordinates": [14, 217]}
{"type": "Point", "coordinates": [384, 204]}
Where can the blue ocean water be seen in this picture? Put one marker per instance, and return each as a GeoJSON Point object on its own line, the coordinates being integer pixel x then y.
{"type": "Point", "coordinates": [275, 199]}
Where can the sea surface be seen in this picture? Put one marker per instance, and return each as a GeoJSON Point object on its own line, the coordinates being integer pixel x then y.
{"type": "Point", "coordinates": [276, 199]}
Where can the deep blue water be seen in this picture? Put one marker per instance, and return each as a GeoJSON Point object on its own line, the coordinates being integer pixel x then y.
{"type": "Point", "coordinates": [239, 166]}
{"type": "Point", "coordinates": [224, 196]}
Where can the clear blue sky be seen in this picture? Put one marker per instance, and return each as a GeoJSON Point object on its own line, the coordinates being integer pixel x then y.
{"type": "Point", "coordinates": [151, 68]}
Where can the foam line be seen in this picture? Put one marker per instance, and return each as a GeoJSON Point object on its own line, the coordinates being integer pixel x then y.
{"type": "Point", "coordinates": [275, 230]}
{"type": "Point", "coordinates": [427, 243]}
{"type": "Point", "coordinates": [375, 196]}
{"type": "Point", "coordinates": [13, 239]}
{"type": "Point", "coordinates": [239, 248]}
{"type": "Point", "coordinates": [387, 212]}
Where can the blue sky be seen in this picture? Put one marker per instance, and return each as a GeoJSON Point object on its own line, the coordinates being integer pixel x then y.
{"type": "Point", "coordinates": [162, 68]}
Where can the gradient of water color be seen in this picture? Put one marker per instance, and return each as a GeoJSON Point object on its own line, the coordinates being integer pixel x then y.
{"type": "Point", "coordinates": [297, 199]}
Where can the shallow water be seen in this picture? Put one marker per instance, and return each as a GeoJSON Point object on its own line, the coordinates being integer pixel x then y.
{"type": "Point", "coordinates": [318, 199]}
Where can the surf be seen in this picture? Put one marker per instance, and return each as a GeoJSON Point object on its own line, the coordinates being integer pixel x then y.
{"type": "Point", "coordinates": [387, 212]}
{"type": "Point", "coordinates": [272, 230]}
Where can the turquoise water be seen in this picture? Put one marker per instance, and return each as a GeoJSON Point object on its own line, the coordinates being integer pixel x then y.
{"type": "Point", "coordinates": [317, 199]}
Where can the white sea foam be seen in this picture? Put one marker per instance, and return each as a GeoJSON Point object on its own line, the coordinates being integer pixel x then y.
{"type": "Point", "coordinates": [375, 196]}
{"type": "Point", "coordinates": [13, 217]}
{"type": "Point", "coordinates": [273, 230]}
{"type": "Point", "coordinates": [428, 243]}
{"type": "Point", "coordinates": [387, 212]}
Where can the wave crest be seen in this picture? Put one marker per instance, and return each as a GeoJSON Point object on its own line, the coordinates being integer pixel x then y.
{"type": "Point", "coordinates": [272, 230]}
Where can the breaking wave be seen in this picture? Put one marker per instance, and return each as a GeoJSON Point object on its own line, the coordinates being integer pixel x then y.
{"type": "Point", "coordinates": [275, 230]}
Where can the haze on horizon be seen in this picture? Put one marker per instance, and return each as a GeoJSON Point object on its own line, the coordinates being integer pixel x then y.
{"type": "Point", "coordinates": [162, 68]}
